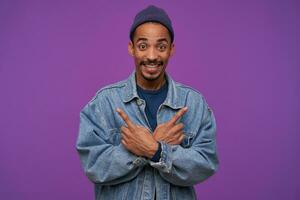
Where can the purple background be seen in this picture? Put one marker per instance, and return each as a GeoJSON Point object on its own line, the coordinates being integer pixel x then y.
{"type": "Point", "coordinates": [242, 55]}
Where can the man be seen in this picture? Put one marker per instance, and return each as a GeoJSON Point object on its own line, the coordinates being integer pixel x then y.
{"type": "Point", "coordinates": [148, 137]}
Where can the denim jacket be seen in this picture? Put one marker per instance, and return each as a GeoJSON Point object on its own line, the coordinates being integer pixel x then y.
{"type": "Point", "coordinates": [118, 174]}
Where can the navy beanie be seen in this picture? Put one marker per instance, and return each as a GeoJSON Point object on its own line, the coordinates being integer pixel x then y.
{"type": "Point", "coordinates": [152, 14]}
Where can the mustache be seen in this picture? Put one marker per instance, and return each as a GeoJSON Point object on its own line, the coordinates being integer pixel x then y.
{"type": "Point", "coordinates": [151, 62]}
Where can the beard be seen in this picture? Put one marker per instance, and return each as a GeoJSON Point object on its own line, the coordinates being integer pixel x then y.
{"type": "Point", "coordinates": [151, 78]}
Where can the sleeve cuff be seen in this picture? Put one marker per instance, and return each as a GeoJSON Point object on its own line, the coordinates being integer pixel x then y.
{"type": "Point", "coordinates": [139, 161]}
{"type": "Point", "coordinates": [165, 161]}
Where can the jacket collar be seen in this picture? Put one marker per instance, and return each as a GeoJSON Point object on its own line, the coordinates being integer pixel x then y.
{"type": "Point", "coordinates": [173, 99]}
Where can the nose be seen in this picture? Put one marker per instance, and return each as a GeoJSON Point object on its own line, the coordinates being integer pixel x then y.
{"type": "Point", "coordinates": [152, 54]}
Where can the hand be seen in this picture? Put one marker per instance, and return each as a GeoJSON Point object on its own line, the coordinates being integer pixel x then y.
{"type": "Point", "coordinates": [137, 139]}
{"type": "Point", "coordinates": [170, 132]}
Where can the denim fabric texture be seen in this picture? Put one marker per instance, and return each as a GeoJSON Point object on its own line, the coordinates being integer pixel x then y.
{"type": "Point", "coordinates": [117, 173]}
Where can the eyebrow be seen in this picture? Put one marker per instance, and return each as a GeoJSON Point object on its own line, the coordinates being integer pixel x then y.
{"type": "Point", "coordinates": [159, 40]}
{"type": "Point", "coordinates": [163, 40]}
{"type": "Point", "coordinates": [141, 39]}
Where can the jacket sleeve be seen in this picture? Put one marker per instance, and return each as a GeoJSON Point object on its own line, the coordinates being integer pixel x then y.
{"type": "Point", "coordinates": [104, 162]}
{"type": "Point", "coordinates": [189, 166]}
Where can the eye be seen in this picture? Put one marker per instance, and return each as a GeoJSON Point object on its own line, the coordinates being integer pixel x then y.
{"type": "Point", "coordinates": [162, 47]}
{"type": "Point", "coordinates": [142, 46]}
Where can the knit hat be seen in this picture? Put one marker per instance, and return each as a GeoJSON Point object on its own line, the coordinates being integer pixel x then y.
{"type": "Point", "coordinates": [152, 14]}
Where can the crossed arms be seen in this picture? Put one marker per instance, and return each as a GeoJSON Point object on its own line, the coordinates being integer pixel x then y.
{"type": "Point", "coordinates": [108, 164]}
{"type": "Point", "coordinates": [138, 140]}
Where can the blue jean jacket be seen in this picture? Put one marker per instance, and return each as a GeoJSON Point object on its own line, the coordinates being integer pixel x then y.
{"type": "Point", "coordinates": [117, 173]}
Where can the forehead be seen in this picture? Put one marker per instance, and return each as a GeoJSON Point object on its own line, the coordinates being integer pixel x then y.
{"type": "Point", "coordinates": [152, 31]}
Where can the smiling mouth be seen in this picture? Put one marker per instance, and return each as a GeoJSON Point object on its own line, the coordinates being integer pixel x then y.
{"type": "Point", "coordinates": [152, 66]}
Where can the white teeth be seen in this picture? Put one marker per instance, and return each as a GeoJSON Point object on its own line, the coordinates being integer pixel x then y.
{"type": "Point", "coordinates": [151, 66]}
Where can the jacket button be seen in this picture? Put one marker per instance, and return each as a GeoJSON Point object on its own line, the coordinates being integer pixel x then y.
{"type": "Point", "coordinates": [139, 102]}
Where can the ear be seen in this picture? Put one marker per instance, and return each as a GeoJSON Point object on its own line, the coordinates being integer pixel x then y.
{"type": "Point", "coordinates": [130, 48]}
{"type": "Point", "coordinates": [172, 49]}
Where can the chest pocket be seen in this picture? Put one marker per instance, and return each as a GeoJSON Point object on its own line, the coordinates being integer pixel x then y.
{"type": "Point", "coordinates": [188, 139]}
{"type": "Point", "coordinates": [114, 137]}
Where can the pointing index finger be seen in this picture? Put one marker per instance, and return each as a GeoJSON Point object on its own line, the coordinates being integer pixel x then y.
{"type": "Point", "coordinates": [126, 119]}
{"type": "Point", "coordinates": [179, 114]}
